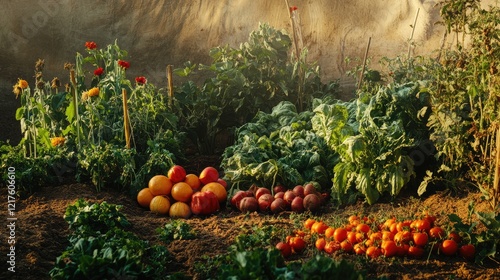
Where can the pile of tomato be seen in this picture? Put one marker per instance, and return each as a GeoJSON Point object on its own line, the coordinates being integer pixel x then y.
{"type": "Point", "coordinates": [391, 238]}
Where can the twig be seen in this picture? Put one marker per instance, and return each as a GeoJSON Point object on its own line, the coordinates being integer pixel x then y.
{"type": "Point", "coordinates": [412, 32]}
{"type": "Point", "coordinates": [170, 85]}
{"type": "Point", "coordinates": [364, 63]}
{"type": "Point", "coordinates": [75, 103]}
{"type": "Point", "coordinates": [126, 123]}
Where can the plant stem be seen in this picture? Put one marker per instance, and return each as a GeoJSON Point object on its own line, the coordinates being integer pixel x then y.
{"type": "Point", "coordinates": [364, 63]}
{"type": "Point", "coordinates": [126, 119]}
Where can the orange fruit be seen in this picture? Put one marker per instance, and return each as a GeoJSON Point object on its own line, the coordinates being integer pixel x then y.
{"type": "Point", "coordinates": [329, 232]}
{"type": "Point", "coordinates": [144, 197]}
{"type": "Point", "coordinates": [180, 210]}
{"type": "Point", "coordinates": [182, 191]}
{"type": "Point", "coordinates": [309, 223]}
{"type": "Point", "coordinates": [160, 185]}
{"type": "Point", "coordinates": [319, 227]}
{"type": "Point", "coordinates": [159, 205]}
{"type": "Point", "coordinates": [193, 181]}
{"type": "Point", "coordinates": [218, 189]}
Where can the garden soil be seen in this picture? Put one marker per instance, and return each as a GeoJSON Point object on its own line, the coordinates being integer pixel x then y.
{"type": "Point", "coordinates": [42, 232]}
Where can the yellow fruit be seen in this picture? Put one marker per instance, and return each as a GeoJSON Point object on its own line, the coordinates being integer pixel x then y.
{"type": "Point", "coordinates": [180, 210]}
{"type": "Point", "coordinates": [144, 197]}
{"type": "Point", "coordinates": [182, 192]}
{"type": "Point", "coordinates": [193, 181]}
{"type": "Point", "coordinates": [160, 185]}
{"type": "Point", "coordinates": [218, 189]}
{"type": "Point", "coordinates": [160, 205]}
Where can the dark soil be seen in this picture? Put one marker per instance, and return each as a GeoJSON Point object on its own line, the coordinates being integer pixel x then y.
{"type": "Point", "coordinates": [41, 232]}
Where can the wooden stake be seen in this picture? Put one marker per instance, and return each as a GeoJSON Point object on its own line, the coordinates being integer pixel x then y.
{"type": "Point", "coordinates": [496, 180]}
{"type": "Point", "coordinates": [364, 63]}
{"type": "Point", "coordinates": [412, 32]}
{"type": "Point", "coordinates": [170, 85]}
{"type": "Point", "coordinates": [126, 123]}
{"type": "Point", "coordinates": [75, 103]}
{"type": "Point", "coordinates": [290, 14]}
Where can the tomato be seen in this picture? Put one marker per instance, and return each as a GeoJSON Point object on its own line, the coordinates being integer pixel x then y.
{"type": "Point", "coordinates": [351, 237]}
{"type": "Point", "coordinates": [403, 250]}
{"type": "Point", "coordinates": [416, 252]}
{"type": "Point", "coordinates": [455, 236]}
{"type": "Point", "coordinates": [319, 227]}
{"type": "Point", "coordinates": [285, 249]}
{"type": "Point", "coordinates": [373, 252]}
{"type": "Point", "coordinates": [352, 219]}
{"type": "Point", "coordinates": [376, 236]}
{"type": "Point", "coordinates": [404, 225]}
{"type": "Point", "coordinates": [340, 235]}
{"type": "Point", "coordinates": [388, 223]}
{"type": "Point", "coordinates": [346, 246]}
{"type": "Point", "coordinates": [402, 237]}
{"type": "Point", "coordinates": [309, 223]}
{"type": "Point", "coordinates": [389, 248]}
{"type": "Point", "coordinates": [204, 203]}
{"type": "Point", "coordinates": [298, 244]}
{"type": "Point", "coordinates": [320, 244]}
{"type": "Point", "coordinates": [331, 247]}
{"type": "Point", "coordinates": [359, 249]}
{"type": "Point", "coordinates": [467, 251]}
{"type": "Point", "coordinates": [387, 235]}
{"type": "Point", "coordinates": [176, 174]}
{"type": "Point", "coordinates": [329, 232]}
{"type": "Point", "coordinates": [363, 228]}
{"type": "Point", "coordinates": [394, 228]}
{"type": "Point", "coordinates": [436, 233]}
{"type": "Point", "coordinates": [423, 225]}
{"type": "Point", "coordinates": [449, 247]}
{"type": "Point", "coordinates": [420, 238]}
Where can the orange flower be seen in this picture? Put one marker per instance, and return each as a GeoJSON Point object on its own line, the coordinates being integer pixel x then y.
{"type": "Point", "coordinates": [57, 141]}
{"type": "Point", "coordinates": [93, 92]}
{"type": "Point", "coordinates": [22, 83]}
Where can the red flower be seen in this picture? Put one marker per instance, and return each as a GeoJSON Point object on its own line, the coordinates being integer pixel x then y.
{"type": "Point", "coordinates": [141, 80]}
{"type": "Point", "coordinates": [124, 63]}
{"type": "Point", "coordinates": [90, 45]}
{"type": "Point", "coordinates": [98, 71]}
{"type": "Point", "coordinates": [293, 8]}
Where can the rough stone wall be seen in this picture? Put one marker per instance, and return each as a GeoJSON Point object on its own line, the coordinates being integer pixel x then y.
{"type": "Point", "coordinates": [161, 32]}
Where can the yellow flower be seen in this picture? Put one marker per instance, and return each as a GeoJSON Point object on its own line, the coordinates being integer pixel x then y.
{"type": "Point", "coordinates": [22, 83]}
{"type": "Point", "coordinates": [93, 92]}
{"type": "Point", "coordinates": [57, 141]}
{"type": "Point", "coordinates": [17, 90]}
{"type": "Point", "coordinates": [85, 96]}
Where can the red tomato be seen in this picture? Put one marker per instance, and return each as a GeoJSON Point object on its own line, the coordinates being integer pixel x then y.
{"type": "Point", "coordinates": [346, 246]}
{"type": "Point", "coordinates": [373, 252]}
{"type": "Point", "coordinates": [436, 233]}
{"type": "Point", "coordinates": [387, 235]}
{"type": "Point", "coordinates": [416, 252]}
{"type": "Point", "coordinates": [359, 249]}
{"type": "Point", "coordinates": [403, 250]}
{"type": "Point", "coordinates": [423, 225]}
{"type": "Point", "coordinates": [402, 237]}
{"type": "Point", "coordinates": [467, 251]}
{"type": "Point", "coordinates": [204, 203]}
{"type": "Point", "coordinates": [420, 238]}
{"type": "Point", "coordinates": [389, 248]}
{"type": "Point", "coordinates": [363, 228]}
{"type": "Point", "coordinates": [455, 236]}
{"type": "Point", "coordinates": [340, 234]}
{"type": "Point", "coordinates": [449, 247]}
{"type": "Point", "coordinates": [298, 244]}
{"type": "Point", "coordinates": [320, 244]}
{"type": "Point", "coordinates": [285, 249]}
{"type": "Point", "coordinates": [332, 247]}
{"type": "Point", "coordinates": [404, 225]}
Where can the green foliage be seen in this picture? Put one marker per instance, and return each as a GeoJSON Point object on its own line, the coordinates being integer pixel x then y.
{"type": "Point", "coordinates": [90, 219]}
{"type": "Point", "coordinates": [278, 147]}
{"type": "Point", "coordinates": [175, 230]}
{"type": "Point", "coordinates": [242, 81]}
{"type": "Point", "coordinates": [100, 248]}
{"type": "Point", "coordinates": [323, 267]}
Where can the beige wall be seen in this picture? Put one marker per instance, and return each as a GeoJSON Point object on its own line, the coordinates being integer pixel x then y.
{"type": "Point", "coordinates": [161, 32]}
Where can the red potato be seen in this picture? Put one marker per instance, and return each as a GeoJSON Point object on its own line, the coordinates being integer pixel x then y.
{"type": "Point", "coordinates": [249, 204]}
{"type": "Point", "coordinates": [261, 191]}
{"type": "Point", "coordinates": [238, 196]}
{"type": "Point", "coordinates": [278, 205]}
{"type": "Point", "coordinates": [279, 195]}
{"type": "Point", "coordinates": [265, 201]}
{"type": "Point", "coordinates": [299, 191]}
{"type": "Point", "coordinates": [288, 197]}
{"type": "Point", "coordinates": [297, 204]}
{"type": "Point", "coordinates": [309, 189]}
{"type": "Point", "coordinates": [312, 202]}
{"type": "Point", "coordinates": [279, 188]}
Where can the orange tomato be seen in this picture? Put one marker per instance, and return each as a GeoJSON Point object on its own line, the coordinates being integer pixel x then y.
{"type": "Point", "coordinates": [182, 192]}
{"type": "Point", "coordinates": [320, 244]}
{"type": "Point", "coordinates": [193, 181]}
{"type": "Point", "coordinates": [144, 197]}
{"type": "Point", "coordinates": [218, 189]}
{"type": "Point", "coordinates": [309, 223]}
{"type": "Point", "coordinates": [160, 185]}
{"type": "Point", "coordinates": [340, 234]}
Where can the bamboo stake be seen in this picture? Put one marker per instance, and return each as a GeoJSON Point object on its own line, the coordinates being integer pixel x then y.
{"type": "Point", "coordinates": [364, 63]}
{"type": "Point", "coordinates": [170, 85]}
{"type": "Point", "coordinates": [496, 180]}
{"type": "Point", "coordinates": [290, 14]}
{"type": "Point", "coordinates": [75, 103]}
{"type": "Point", "coordinates": [126, 123]}
{"type": "Point", "coordinates": [412, 32]}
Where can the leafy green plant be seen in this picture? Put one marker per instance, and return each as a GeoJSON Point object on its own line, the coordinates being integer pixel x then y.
{"type": "Point", "coordinates": [175, 230]}
{"type": "Point", "coordinates": [242, 81]}
{"type": "Point", "coordinates": [100, 248]}
{"type": "Point", "coordinates": [278, 147]}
